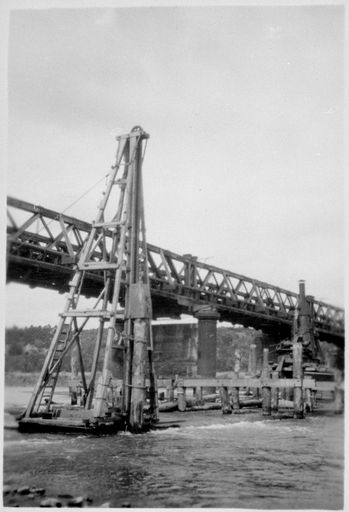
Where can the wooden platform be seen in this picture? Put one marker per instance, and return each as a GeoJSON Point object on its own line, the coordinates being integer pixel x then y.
{"type": "Point", "coordinates": [72, 425]}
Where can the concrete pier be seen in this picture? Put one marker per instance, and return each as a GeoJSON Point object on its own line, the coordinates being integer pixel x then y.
{"type": "Point", "coordinates": [207, 342]}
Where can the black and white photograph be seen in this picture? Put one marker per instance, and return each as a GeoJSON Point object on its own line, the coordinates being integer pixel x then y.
{"type": "Point", "coordinates": [173, 207]}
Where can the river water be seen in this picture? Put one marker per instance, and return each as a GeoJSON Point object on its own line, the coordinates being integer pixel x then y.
{"type": "Point", "coordinates": [236, 461]}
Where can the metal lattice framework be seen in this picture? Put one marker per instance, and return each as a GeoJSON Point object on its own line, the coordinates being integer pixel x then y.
{"type": "Point", "coordinates": [43, 245]}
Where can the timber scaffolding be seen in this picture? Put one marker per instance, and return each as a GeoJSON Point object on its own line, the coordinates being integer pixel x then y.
{"type": "Point", "coordinates": [127, 330]}
{"type": "Point", "coordinates": [277, 396]}
{"type": "Point", "coordinates": [118, 236]}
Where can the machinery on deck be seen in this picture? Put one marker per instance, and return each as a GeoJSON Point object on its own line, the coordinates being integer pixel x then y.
{"type": "Point", "coordinates": [304, 332]}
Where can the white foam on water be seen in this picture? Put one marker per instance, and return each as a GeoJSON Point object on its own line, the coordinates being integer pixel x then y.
{"type": "Point", "coordinates": [31, 441]}
{"type": "Point", "coordinates": [266, 425]}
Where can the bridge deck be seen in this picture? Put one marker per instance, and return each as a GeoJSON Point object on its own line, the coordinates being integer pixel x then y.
{"type": "Point", "coordinates": [43, 246]}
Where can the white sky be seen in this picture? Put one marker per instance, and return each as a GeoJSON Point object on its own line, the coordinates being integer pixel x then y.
{"type": "Point", "coordinates": [244, 107]}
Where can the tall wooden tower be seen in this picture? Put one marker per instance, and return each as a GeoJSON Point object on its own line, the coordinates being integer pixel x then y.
{"type": "Point", "coordinates": [123, 308]}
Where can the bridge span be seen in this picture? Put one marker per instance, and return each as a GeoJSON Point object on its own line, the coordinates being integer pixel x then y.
{"type": "Point", "coordinates": [43, 245]}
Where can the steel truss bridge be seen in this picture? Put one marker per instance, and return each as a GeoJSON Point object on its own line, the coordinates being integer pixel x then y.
{"type": "Point", "coordinates": [42, 247]}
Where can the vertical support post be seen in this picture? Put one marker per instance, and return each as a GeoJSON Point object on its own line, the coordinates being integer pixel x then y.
{"type": "Point", "coordinates": [74, 375]}
{"type": "Point", "coordinates": [252, 360]}
{"type": "Point", "coordinates": [181, 398]}
{"type": "Point", "coordinates": [237, 362]}
{"type": "Point", "coordinates": [170, 392]}
{"type": "Point", "coordinates": [153, 389]}
{"type": "Point", "coordinates": [298, 374]}
{"type": "Point", "coordinates": [339, 400]}
{"type": "Point", "coordinates": [138, 375]}
{"type": "Point", "coordinates": [74, 355]}
{"type": "Point", "coordinates": [235, 398]}
{"type": "Point", "coordinates": [252, 365]}
{"type": "Point", "coordinates": [198, 394]}
{"type": "Point", "coordinates": [266, 390]}
{"type": "Point", "coordinates": [225, 402]}
{"type": "Point", "coordinates": [117, 358]}
{"type": "Point", "coordinates": [274, 394]}
{"type": "Point", "coordinates": [207, 344]}
{"type": "Point", "coordinates": [307, 400]}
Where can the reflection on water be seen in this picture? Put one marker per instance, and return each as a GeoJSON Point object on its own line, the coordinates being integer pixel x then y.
{"type": "Point", "coordinates": [211, 461]}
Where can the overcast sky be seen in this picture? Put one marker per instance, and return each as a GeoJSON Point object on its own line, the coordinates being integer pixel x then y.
{"type": "Point", "coordinates": [244, 107]}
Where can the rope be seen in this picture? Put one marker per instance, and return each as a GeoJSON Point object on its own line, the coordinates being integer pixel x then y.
{"type": "Point", "coordinates": [83, 195]}
{"type": "Point", "coordinates": [69, 206]}
{"type": "Point", "coordinates": [89, 190]}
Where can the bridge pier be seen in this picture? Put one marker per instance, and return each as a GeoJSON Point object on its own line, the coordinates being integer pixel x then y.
{"type": "Point", "coordinates": [207, 342]}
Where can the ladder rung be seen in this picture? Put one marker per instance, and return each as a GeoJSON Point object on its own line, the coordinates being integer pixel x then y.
{"type": "Point", "coordinates": [87, 312]}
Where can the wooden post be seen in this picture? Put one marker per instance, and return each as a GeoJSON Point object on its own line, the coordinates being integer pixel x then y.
{"type": "Point", "coordinates": [339, 400]}
{"type": "Point", "coordinates": [235, 398]}
{"type": "Point", "coordinates": [252, 365]}
{"type": "Point", "coordinates": [226, 407]}
{"type": "Point", "coordinates": [252, 360]}
{"type": "Point", "coordinates": [307, 400]}
{"type": "Point", "coordinates": [127, 367]}
{"type": "Point", "coordinates": [198, 394]}
{"type": "Point", "coordinates": [170, 392]}
{"type": "Point", "coordinates": [275, 395]}
{"type": "Point", "coordinates": [153, 389]}
{"type": "Point", "coordinates": [138, 375]}
{"type": "Point", "coordinates": [265, 368]}
{"type": "Point", "coordinates": [181, 399]}
{"type": "Point", "coordinates": [297, 350]}
{"type": "Point", "coordinates": [266, 390]}
{"type": "Point", "coordinates": [237, 362]}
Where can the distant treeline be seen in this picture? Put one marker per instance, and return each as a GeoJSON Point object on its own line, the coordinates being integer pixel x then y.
{"type": "Point", "coordinates": [26, 348]}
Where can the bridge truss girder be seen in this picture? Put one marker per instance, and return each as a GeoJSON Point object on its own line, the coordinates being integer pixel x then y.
{"type": "Point", "coordinates": [43, 246]}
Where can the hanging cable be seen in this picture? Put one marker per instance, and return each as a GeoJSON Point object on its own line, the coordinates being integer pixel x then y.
{"type": "Point", "coordinates": [84, 194]}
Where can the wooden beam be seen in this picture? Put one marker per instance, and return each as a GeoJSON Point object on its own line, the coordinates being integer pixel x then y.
{"type": "Point", "coordinates": [245, 382]}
